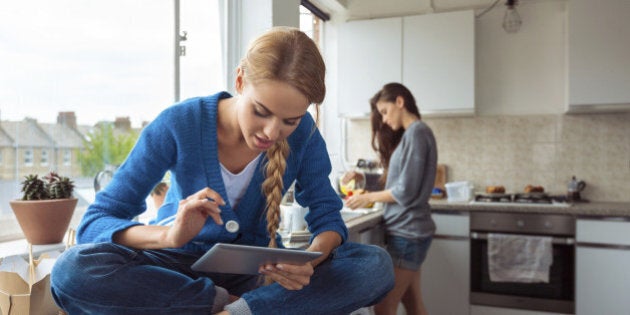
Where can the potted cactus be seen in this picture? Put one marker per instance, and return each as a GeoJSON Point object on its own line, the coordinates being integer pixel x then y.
{"type": "Point", "coordinates": [45, 209]}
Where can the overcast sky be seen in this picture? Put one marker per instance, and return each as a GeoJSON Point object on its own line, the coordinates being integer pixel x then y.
{"type": "Point", "coordinates": [102, 58]}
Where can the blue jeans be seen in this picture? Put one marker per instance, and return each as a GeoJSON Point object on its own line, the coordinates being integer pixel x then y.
{"type": "Point", "coordinates": [107, 278]}
{"type": "Point", "coordinates": [406, 253]}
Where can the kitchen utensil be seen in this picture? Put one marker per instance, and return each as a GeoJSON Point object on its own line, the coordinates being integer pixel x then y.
{"type": "Point", "coordinates": [351, 181]}
{"type": "Point", "coordinates": [574, 188]}
{"type": "Point", "coordinates": [372, 171]}
{"type": "Point", "coordinates": [292, 218]}
{"type": "Point", "coordinates": [459, 191]}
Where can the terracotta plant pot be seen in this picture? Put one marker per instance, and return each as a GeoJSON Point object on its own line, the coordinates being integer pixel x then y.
{"type": "Point", "coordinates": [44, 221]}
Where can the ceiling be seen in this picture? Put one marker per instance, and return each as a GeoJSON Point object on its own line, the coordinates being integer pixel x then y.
{"type": "Point", "coordinates": [369, 9]}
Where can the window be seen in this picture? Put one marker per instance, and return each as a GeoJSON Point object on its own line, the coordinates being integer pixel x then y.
{"type": "Point", "coordinates": [67, 157]}
{"type": "Point", "coordinates": [44, 160]}
{"type": "Point", "coordinates": [311, 20]}
{"type": "Point", "coordinates": [28, 157]}
{"type": "Point", "coordinates": [71, 66]}
{"type": "Point", "coordinates": [311, 24]}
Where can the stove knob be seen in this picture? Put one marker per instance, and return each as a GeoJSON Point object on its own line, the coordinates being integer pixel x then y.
{"type": "Point", "coordinates": [548, 225]}
{"type": "Point", "coordinates": [520, 223]}
{"type": "Point", "coordinates": [493, 222]}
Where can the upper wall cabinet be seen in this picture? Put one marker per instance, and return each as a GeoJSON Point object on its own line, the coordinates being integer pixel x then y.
{"type": "Point", "coordinates": [432, 54]}
{"type": "Point", "coordinates": [369, 56]}
{"type": "Point", "coordinates": [599, 55]}
{"type": "Point", "coordinates": [439, 61]}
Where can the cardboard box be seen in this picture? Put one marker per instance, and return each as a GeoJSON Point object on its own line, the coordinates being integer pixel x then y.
{"type": "Point", "coordinates": [25, 289]}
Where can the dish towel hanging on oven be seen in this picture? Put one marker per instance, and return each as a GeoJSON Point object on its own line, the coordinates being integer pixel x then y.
{"type": "Point", "coordinates": [519, 258]}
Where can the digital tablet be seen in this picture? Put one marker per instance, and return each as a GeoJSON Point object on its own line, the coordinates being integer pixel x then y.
{"type": "Point", "coordinates": [244, 259]}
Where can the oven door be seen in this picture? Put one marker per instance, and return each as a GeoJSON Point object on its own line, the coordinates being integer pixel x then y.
{"type": "Point", "coordinates": [556, 296]}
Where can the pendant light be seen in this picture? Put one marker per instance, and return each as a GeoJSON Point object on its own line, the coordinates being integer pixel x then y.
{"type": "Point", "coordinates": [511, 21]}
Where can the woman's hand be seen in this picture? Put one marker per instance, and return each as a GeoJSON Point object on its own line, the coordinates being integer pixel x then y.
{"type": "Point", "coordinates": [296, 277]}
{"type": "Point", "coordinates": [358, 201]}
{"type": "Point", "coordinates": [192, 215]}
{"type": "Point", "coordinates": [291, 277]}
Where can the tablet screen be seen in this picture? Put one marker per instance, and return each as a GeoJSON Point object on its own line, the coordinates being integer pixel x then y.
{"type": "Point", "coordinates": [244, 259]}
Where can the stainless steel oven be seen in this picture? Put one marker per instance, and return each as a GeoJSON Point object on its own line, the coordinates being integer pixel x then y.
{"type": "Point", "coordinates": [557, 295]}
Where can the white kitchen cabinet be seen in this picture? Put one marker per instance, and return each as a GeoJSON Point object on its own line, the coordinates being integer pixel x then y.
{"type": "Point", "coordinates": [598, 50]}
{"type": "Point", "coordinates": [445, 276]}
{"type": "Point", "coordinates": [602, 260]}
{"type": "Point", "coordinates": [439, 61]}
{"type": "Point", "coordinates": [432, 54]}
{"type": "Point", "coordinates": [369, 57]}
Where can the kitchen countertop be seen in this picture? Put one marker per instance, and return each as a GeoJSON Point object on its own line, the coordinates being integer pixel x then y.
{"type": "Point", "coordinates": [593, 209]}
{"type": "Point", "coordinates": [582, 209]}
{"type": "Point", "coordinates": [365, 221]}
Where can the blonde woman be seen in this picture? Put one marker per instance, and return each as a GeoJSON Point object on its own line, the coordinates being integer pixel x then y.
{"type": "Point", "coordinates": [231, 158]}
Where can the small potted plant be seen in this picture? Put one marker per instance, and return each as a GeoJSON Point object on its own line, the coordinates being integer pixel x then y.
{"type": "Point", "coordinates": [46, 208]}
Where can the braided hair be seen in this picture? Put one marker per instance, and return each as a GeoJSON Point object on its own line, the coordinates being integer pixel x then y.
{"type": "Point", "coordinates": [287, 55]}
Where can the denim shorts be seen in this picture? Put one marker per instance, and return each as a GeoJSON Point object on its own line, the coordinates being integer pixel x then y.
{"type": "Point", "coordinates": [406, 253]}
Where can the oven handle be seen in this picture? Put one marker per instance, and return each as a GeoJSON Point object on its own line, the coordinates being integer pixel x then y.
{"type": "Point", "coordinates": [555, 240]}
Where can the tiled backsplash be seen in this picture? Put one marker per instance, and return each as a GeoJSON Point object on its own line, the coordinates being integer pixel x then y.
{"type": "Point", "coordinates": [514, 151]}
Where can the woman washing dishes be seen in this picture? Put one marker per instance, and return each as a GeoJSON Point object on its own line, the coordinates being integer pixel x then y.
{"type": "Point", "coordinates": [408, 152]}
{"type": "Point", "coordinates": [231, 158]}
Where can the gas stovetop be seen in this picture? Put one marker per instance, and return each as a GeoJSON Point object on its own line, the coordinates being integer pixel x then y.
{"type": "Point", "coordinates": [534, 199]}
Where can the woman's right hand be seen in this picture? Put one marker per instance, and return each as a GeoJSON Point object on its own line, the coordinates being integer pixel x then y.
{"type": "Point", "coordinates": [192, 214]}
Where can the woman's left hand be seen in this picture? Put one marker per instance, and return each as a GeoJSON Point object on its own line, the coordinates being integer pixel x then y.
{"type": "Point", "coordinates": [291, 277]}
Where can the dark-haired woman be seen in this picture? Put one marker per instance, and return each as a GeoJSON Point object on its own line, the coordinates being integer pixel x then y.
{"type": "Point", "coordinates": [408, 152]}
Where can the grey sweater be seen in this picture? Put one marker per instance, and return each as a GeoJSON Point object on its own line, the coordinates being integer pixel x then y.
{"type": "Point", "coordinates": [411, 177]}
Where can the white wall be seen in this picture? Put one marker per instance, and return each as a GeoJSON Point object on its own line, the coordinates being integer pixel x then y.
{"type": "Point", "coordinates": [332, 124]}
{"type": "Point", "coordinates": [259, 15]}
{"type": "Point", "coordinates": [522, 73]}
{"type": "Point", "coordinates": [250, 19]}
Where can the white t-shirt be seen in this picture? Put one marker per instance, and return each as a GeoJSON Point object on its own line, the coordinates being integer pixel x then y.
{"type": "Point", "coordinates": [236, 184]}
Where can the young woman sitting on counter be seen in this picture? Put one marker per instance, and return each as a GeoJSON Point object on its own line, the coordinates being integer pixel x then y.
{"type": "Point", "coordinates": [231, 158]}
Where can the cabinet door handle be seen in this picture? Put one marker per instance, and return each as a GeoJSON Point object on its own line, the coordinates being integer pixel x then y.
{"type": "Point", "coordinates": [602, 245]}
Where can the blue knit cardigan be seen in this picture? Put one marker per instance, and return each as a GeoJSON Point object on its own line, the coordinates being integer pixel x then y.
{"type": "Point", "coordinates": [183, 140]}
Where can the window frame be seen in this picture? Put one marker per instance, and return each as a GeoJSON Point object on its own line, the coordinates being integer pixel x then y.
{"type": "Point", "coordinates": [28, 156]}
{"type": "Point", "coordinates": [44, 157]}
{"type": "Point", "coordinates": [67, 157]}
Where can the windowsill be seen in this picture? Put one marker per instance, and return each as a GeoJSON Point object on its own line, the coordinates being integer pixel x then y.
{"type": "Point", "coordinates": [20, 247]}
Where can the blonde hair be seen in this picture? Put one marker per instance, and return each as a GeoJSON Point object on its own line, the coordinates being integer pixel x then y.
{"type": "Point", "coordinates": [287, 55]}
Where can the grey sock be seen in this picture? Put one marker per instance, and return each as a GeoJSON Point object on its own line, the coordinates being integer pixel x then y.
{"type": "Point", "coordinates": [221, 298]}
{"type": "Point", "coordinates": [238, 307]}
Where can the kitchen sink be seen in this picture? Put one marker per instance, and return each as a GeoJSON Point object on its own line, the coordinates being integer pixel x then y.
{"type": "Point", "coordinates": [348, 214]}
